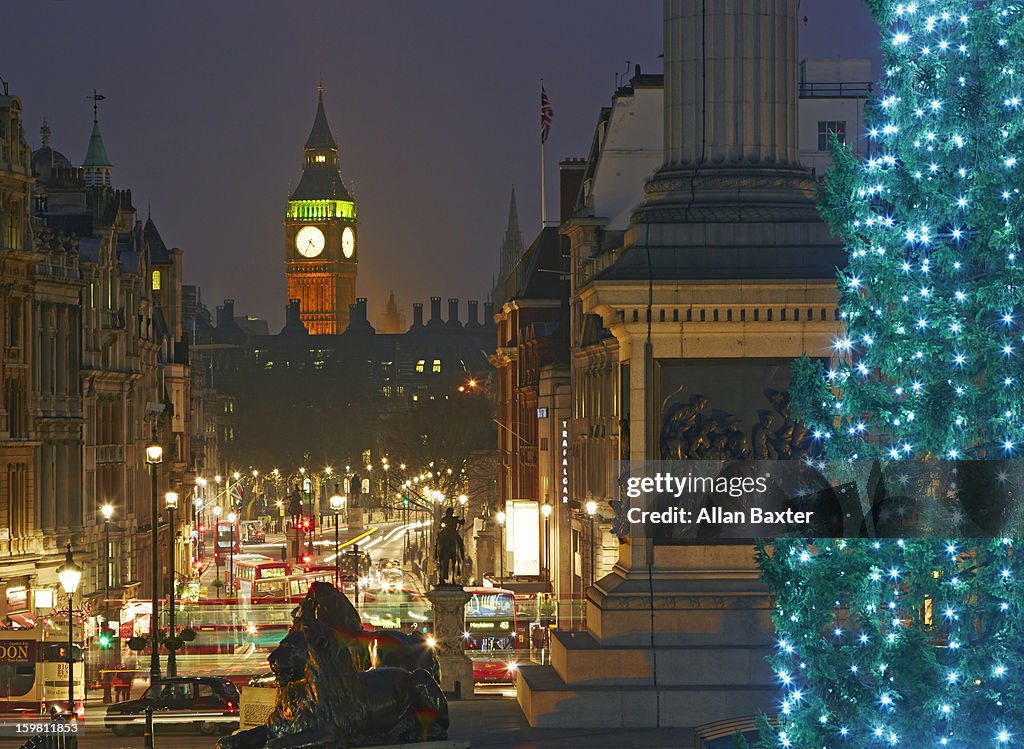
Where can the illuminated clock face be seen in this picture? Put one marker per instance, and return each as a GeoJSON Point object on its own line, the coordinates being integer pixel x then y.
{"type": "Point", "coordinates": [309, 241]}
{"type": "Point", "coordinates": [348, 241]}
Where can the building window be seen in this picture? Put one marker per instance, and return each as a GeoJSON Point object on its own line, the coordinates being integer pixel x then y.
{"type": "Point", "coordinates": [156, 280]}
{"type": "Point", "coordinates": [420, 364]}
{"type": "Point", "coordinates": [437, 366]}
{"type": "Point", "coordinates": [320, 158]}
{"type": "Point", "coordinates": [825, 128]}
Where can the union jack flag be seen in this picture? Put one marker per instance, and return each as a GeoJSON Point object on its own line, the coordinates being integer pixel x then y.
{"type": "Point", "coordinates": [546, 113]}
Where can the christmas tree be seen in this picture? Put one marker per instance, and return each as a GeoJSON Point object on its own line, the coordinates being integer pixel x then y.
{"type": "Point", "coordinates": [897, 643]}
{"type": "Point", "coordinates": [917, 642]}
{"type": "Point", "coordinates": [929, 359]}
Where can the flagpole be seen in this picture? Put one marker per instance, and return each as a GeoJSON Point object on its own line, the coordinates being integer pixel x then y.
{"type": "Point", "coordinates": [543, 202]}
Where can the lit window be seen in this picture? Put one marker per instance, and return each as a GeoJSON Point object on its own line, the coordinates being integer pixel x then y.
{"type": "Point", "coordinates": [437, 366]}
{"type": "Point", "coordinates": [420, 364]}
{"type": "Point", "coordinates": [320, 158]}
{"type": "Point", "coordinates": [156, 280]}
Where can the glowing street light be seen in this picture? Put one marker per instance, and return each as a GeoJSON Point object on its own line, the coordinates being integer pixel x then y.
{"type": "Point", "coordinates": [500, 517]}
{"type": "Point", "coordinates": [337, 502]}
{"type": "Point", "coordinates": [232, 517]}
{"type": "Point", "coordinates": [69, 575]}
{"type": "Point", "coordinates": [171, 502]}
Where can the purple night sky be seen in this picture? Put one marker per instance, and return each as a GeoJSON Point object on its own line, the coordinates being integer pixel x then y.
{"type": "Point", "coordinates": [435, 107]}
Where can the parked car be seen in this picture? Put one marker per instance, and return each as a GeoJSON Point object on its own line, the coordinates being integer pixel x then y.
{"type": "Point", "coordinates": [207, 703]}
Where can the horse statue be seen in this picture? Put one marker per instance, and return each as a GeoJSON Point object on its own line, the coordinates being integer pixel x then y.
{"type": "Point", "coordinates": [449, 550]}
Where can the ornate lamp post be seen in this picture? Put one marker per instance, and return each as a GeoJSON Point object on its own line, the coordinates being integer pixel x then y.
{"type": "Point", "coordinates": [337, 502]}
{"type": "Point", "coordinates": [591, 512]}
{"type": "Point", "coordinates": [217, 510]}
{"type": "Point", "coordinates": [232, 517]}
{"type": "Point", "coordinates": [108, 512]}
{"type": "Point", "coordinates": [154, 456]}
{"type": "Point", "coordinates": [463, 501]}
{"type": "Point", "coordinates": [171, 501]}
{"type": "Point", "coordinates": [70, 574]}
{"type": "Point", "coordinates": [500, 517]}
{"type": "Point", "coordinates": [200, 516]}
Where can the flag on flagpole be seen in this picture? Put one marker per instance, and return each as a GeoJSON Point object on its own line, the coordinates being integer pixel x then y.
{"type": "Point", "coordinates": [546, 113]}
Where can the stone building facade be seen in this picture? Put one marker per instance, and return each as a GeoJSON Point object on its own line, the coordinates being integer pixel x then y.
{"type": "Point", "coordinates": [95, 367]}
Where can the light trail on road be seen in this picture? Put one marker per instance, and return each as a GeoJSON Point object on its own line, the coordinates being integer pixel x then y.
{"type": "Point", "coordinates": [382, 538]}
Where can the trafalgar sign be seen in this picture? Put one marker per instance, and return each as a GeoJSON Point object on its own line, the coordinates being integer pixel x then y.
{"type": "Point", "coordinates": [564, 470]}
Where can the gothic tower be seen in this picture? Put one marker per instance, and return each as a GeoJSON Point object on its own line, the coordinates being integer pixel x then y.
{"type": "Point", "coordinates": [320, 256]}
{"type": "Point", "coordinates": [512, 245]}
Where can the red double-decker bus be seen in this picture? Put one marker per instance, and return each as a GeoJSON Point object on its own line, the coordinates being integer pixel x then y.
{"type": "Point", "coordinates": [490, 637]}
{"type": "Point", "coordinates": [249, 573]}
{"type": "Point", "coordinates": [227, 538]}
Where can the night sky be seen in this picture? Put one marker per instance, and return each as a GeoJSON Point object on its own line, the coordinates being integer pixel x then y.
{"type": "Point", "coordinates": [435, 106]}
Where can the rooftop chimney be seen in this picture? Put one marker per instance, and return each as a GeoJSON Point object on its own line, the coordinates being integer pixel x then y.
{"type": "Point", "coordinates": [417, 315]}
{"type": "Point", "coordinates": [489, 314]}
{"type": "Point", "coordinates": [472, 321]}
{"type": "Point", "coordinates": [435, 312]}
{"type": "Point", "coordinates": [357, 319]}
{"type": "Point", "coordinates": [226, 313]}
{"type": "Point", "coordinates": [453, 313]}
{"type": "Point", "coordinates": [293, 318]}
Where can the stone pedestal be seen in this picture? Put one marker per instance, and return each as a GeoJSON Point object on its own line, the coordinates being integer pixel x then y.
{"type": "Point", "coordinates": [355, 520]}
{"type": "Point", "coordinates": [729, 258]}
{"type": "Point", "coordinates": [449, 602]}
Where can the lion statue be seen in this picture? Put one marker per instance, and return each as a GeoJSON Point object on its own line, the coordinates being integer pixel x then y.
{"type": "Point", "coordinates": [324, 701]}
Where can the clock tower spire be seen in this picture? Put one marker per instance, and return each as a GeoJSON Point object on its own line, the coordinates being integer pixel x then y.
{"type": "Point", "coordinates": [320, 229]}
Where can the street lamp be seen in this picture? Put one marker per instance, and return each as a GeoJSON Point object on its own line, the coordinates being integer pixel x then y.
{"type": "Point", "coordinates": [171, 501]}
{"type": "Point", "coordinates": [154, 456]}
{"type": "Point", "coordinates": [545, 510]}
{"type": "Point", "coordinates": [70, 574]}
{"type": "Point", "coordinates": [217, 510]}
{"type": "Point", "coordinates": [232, 517]}
{"type": "Point", "coordinates": [463, 501]}
{"type": "Point", "coordinates": [108, 512]}
{"type": "Point", "coordinates": [501, 545]}
{"type": "Point", "coordinates": [592, 511]}
{"type": "Point", "coordinates": [337, 502]}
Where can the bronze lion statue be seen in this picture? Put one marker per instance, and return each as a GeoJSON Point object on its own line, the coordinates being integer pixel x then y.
{"type": "Point", "coordinates": [324, 701]}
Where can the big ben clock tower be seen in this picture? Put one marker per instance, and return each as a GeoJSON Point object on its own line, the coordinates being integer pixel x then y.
{"type": "Point", "coordinates": [320, 236]}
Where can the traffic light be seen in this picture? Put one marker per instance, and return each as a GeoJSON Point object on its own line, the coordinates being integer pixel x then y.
{"type": "Point", "coordinates": [216, 556]}
{"type": "Point", "coordinates": [199, 565]}
{"type": "Point", "coordinates": [105, 638]}
{"type": "Point", "coordinates": [202, 529]}
{"type": "Point", "coordinates": [307, 560]}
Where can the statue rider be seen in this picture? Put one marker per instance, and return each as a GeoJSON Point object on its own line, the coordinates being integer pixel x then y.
{"type": "Point", "coordinates": [449, 550]}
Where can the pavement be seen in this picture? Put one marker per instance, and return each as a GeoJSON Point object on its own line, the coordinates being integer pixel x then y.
{"type": "Point", "coordinates": [490, 722]}
{"type": "Point", "coordinates": [498, 723]}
